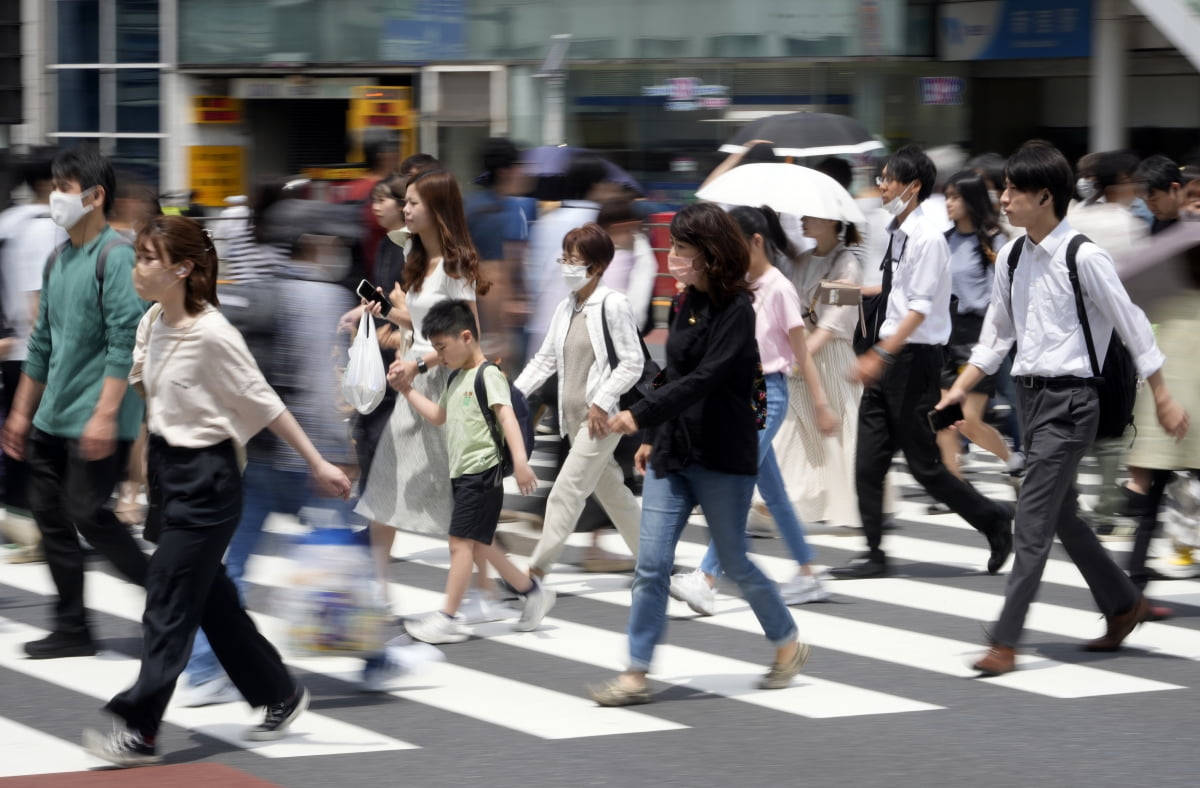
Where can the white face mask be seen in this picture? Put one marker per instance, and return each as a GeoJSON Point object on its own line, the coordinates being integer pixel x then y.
{"type": "Point", "coordinates": [1086, 189]}
{"type": "Point", "coordinates": [67, 209]}
{"type": "Point", "coordinates": [897, 206]}
{"type": "Point", "coordinates": [400, 236]}
{"type": "Point", "coordinates": [575, 277]}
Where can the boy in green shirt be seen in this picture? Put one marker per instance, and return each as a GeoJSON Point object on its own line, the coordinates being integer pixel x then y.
{"type": "Point", "coordinates": [476, 476]}
{"type": "Point", "coordinates": [73, 417]}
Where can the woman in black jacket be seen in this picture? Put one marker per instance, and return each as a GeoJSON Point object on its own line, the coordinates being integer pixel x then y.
{"type": "Point", "coordinates": [702, 433]}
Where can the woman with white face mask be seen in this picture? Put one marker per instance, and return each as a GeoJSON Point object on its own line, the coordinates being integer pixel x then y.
{"type": "Point", "coordinates": [589, 391]}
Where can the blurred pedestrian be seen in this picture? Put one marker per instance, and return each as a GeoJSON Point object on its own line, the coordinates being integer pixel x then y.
{"type": "Point", "coordinates": [782, 346]}
{"type": "Point", "coordinates": [205, 397]}
{"type": "Point", "coordinates": [1161, 180]}
{"type": "Point", "coordinates": [634, 268]}
{"type": "Point", "coordinates": [1033, 306]}
{"type": "Point", "coordinates": [576, 353]}
{"type": "Point", "coordinates": [701, 447]}
{"type": "Point", "coordinates": [901, 373]}
{"type": "Point", "coordinates": [73, 416]}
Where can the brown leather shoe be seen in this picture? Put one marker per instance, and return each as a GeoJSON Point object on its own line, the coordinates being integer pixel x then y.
{"type": "Point", "coordinates": [998, 661]}
{"type": "Point", "coordinates": [1119, 627]}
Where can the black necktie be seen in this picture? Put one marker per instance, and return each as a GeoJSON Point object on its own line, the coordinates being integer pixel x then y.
{"type": "Point", "coordinates": [886, 267]}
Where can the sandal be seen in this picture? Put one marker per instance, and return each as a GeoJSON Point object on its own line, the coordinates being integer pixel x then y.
{"type": "Point", "coordinates": [614, 693]}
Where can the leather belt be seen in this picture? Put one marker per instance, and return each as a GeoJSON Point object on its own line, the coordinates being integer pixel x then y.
{"type": "Point", "coordinates": [1061, 382]}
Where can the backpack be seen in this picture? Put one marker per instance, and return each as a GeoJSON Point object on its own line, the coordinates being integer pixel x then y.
{"type": "Point", "coordinates": [101, 263]}
{"type": "Point", "coordinates": [1118, 377]}
{"type": "Point", "coordinates": [520, 409]}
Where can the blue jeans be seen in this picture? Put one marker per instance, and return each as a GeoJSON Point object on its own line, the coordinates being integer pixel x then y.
{"type": "Point", "coordinates": [770, 482]}
{"type": "Point", "coordinates": [267, 490]}
{"type": "Point", "coordinates": [667, 502]}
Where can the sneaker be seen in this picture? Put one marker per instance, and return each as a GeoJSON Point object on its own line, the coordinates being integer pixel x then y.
{"type": "Point", "coordinates": [538, 602]}
{"type": "Point", "coordinates": [123, 747]}
{"type": "Point", "coordinates": [803, 589]}
{"type": "Point", "coordinates": [279, 717]}
{"type": "Point", "coordinates": [57, 645]}
{"type": "Point", "coordinates": [208, 693]}
{"type": "Point", "coordinates": [480, 608]}
{"type": "Point", "coordinates": [694, 589]}
{"type": "Point", "coordinates": [863, 565]}
{"type": "Point", "coordinates": [780, 675]}
{"type": "Point", "coordinates": [436, 628]}
{"type": "Point", "coordinates": [1016, 464]}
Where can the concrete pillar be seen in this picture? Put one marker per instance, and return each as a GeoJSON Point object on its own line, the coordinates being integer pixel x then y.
{"type": "Point", "coordinates": [1108, 129]}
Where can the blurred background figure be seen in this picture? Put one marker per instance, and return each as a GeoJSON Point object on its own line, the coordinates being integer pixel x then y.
{"type": "Point", "coordinates": [634, 267]}
{"type": "Point", "coordinates": [1106, 190]}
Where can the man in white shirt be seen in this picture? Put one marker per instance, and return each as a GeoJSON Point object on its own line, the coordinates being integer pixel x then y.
{"type": "Point", "coordinates": [1057, 392]}
{"type": "Point", "coordinates": [901, 372]}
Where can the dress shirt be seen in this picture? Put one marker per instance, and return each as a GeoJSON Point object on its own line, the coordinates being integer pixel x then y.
{"type": "Point", "coordinates": [920, 263]}
{"type": "Point", "coordinates": [1041, 316]}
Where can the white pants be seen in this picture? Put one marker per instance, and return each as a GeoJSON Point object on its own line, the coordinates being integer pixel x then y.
{"type": "Point", "coordinates": [589, 468]}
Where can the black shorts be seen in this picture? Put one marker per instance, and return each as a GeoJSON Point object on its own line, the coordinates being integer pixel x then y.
{"type": "Point", "coordinates": [477, 503]}
{"type": "Point", "coordinates": [965, 328]}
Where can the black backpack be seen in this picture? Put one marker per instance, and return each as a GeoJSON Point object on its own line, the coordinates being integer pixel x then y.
{"type": "Point", "coordinates": [1118, 377]}
{"type": "Point", "coordinates": [520, 409]}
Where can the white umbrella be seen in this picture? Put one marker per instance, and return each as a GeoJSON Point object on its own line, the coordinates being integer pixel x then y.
{"type": "Point", "coordinates": [788, 188]}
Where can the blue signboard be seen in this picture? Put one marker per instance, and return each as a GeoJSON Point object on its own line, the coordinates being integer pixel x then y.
{"type": "Point", "coordinates": [1015, 29]}
{"type": "Point", "coordinates": [435, 31]}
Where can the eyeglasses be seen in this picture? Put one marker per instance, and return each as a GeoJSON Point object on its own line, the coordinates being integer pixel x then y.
{"type": "Point", "coordinates": [569, 261]}
{"type": "Point", "coordinates": [883, 180]}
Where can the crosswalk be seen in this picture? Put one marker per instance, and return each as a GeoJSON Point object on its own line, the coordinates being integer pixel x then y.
{"type": "Point", "coordinates": [887, 646]}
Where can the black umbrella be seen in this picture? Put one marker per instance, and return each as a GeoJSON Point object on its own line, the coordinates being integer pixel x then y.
{"type": "Point", "coordinates": [806, 134]}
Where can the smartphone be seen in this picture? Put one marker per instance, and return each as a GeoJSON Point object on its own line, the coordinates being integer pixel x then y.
{"type": "Point", "coordinates": [945, 418]}
{"type": "Point", "coordinates": [367, 290]}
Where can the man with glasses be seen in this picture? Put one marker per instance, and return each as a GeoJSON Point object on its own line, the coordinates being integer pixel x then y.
{"type": "Point", "coordinates": [73, 417]}
{"type": "Point", "coordinates": [901, 373]}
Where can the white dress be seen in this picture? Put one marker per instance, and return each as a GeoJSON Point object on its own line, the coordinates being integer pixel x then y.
{"type": "Point", "coordinates": [819, 471]}
{"type": "Point", "coordinates": [409, 485]}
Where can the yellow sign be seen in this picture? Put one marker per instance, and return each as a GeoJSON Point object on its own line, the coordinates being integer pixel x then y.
{"type": "Point", "coordinates": [216, 172]}
{"type": "Point", "coordinates": [382, 107]}
{"type": "Point", "coordinates": [216, 109]}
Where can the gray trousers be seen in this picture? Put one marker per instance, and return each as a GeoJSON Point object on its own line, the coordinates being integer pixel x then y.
{"type": "Point", "coordinates": [1059, 424]}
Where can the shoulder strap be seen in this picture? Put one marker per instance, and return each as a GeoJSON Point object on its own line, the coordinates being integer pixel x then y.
{"type": "Point", "coordinates": [1014, 257]}
{"type": "Point", "coordinates": [608, 341]}
{"type": "Point", "coordinates": [485, 408]}
{"type": "Point", "coordinates": [102, 263]}
{"type": "Point", "coordinates": [1078, 240]}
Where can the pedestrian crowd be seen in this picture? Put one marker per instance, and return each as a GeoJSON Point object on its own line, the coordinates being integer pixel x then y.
{"type": "Point", "coordinates": [185, 377]}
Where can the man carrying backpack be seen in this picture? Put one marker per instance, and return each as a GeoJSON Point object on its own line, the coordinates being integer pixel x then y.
{"type": "Point", "coordinates": [1044, 306]}
{"type": "Point", "coordinates": [73, 416]}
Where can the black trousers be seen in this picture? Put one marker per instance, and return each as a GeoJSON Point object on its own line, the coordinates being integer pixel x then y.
{"type": "Point", "coordinates": [893, 415]}
{"type": "Point", "coordinates": [1147, 526]}
{"type": "Point", "coordinates": [16, 472]}
{"type": "Point", "coordinates": [66, 494]}
{"type": "Point", "coordinates": [197, 493]}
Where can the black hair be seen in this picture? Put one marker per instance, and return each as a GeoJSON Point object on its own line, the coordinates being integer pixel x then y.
{"type": "Point", "coordinates": [1158, 173]}
{"type": "Point", "coordinates": [498, 153]}
{"type": "Point", "coordinates": [760, 153]}
{"type": "Point", "coordinates": [268, 193]}
{"type": "Point", "coordinates": [1108, 168]}
{"type": "Point", "coordinates": [909, 164]}
{"type": "Point", "coordinates": [1036, 165]}
{"type": "Point", "coordinates": [990, 167]}
{"type": "Point", "coordinates": [972, 190]}
{"type": "Point", "coordinates": [449, 318]}
{"type": "Point", "coordinates": [37, 169]}
{"type": "Point", "coordinates": [376, 143]}
{"type": "Point", "coordinates": [83, 163]}
{"type": "Point", "coordinates": [765, 222]}
{"type": "Point", "coordinates": [618, 211]}
{"type": "Point", "coordinates": [417, 163]}
{"type": "Point", "coordinates": [838, 169]}
{"type": "Point", "coordinates": [584, 172]}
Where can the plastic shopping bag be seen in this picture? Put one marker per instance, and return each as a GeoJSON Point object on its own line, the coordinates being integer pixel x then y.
{"type": "Point", "coordinates": [364, 380]}
{"type": "Point", "coordinates": [330, 603]}
{"type": "Point", "coordinates": [1181, 514]}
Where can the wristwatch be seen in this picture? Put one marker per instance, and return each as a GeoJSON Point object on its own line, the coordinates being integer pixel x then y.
{"type": "Point", "coordinates": [422, 367]}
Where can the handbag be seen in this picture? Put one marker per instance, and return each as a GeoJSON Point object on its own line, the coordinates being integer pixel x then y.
{"type": "Point", "coordinates": [650, 369]}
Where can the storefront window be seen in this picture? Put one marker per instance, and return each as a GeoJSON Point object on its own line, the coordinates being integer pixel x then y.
{"type": "Point", "coordinates": [78, 31]}
{"type": "Point", "coordinates": [137, 100]}
{"type": "Point", "coordinates": [79, 100]}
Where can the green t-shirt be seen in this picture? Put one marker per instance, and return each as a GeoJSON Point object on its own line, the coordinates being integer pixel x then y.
{"type": "Point", "coordinates": [468, 439]}
{"type": "Point", "coordinates": [76, 343]}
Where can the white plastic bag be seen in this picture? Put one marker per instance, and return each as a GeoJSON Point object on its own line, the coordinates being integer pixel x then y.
{"type": "Point", "coordinates": [1181, 515]}
{"type": "Point", "coordinates": [364, 379]}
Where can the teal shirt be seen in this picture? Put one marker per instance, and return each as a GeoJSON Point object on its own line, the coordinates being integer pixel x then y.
{"type": "Point", "coordinates": [75, 344]}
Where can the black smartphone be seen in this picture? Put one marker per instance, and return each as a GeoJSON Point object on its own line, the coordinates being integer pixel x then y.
{"type": "Point", "coordinates": [367, 290]}
{"type": "Point", "coordinates": [945, 418]}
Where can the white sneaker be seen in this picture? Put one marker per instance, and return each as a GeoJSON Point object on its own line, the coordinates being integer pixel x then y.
{"type": "Point", "coordinates": [803, 589]}
{"type": "Point", "coordinates": [694, 589]}
{"type": "Point", "coordinates": [437, 628]}
{"type": "Point", "coordinates": [480, 608]}
{"type": "Point", "coordinates": [210, 693]}
{"type": "Point", "coordinates": [1015, 464]}
{"type": "Point", "coordinates": [538, 602]}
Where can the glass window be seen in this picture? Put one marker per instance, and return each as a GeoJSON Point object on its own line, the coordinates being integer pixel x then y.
{"type": "Point", "coordinates": [137, 31]}
{"type": "Point", "coordinates": [78, 31]}
{"type": "Point", "coordinates": [137, 100]}
{"type": "Point", "coordinates": [137, 160]}
{"type": "Point", "coordinates": [79, 100]}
